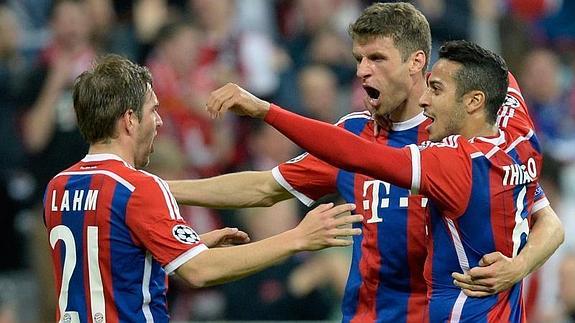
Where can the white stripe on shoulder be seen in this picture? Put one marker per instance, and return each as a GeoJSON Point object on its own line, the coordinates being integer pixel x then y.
{"type": "Point", "coordinates": [355, 115]}
{"type": "Point", "coordinates": [519, 140]}
{"type": "Point", "coordinates": [415, 169]}
{"type": "Point", "coordinates": [108, 173]}
{"type": "Point", "coordinates": [492, 152]}
{"type": "Point", "coordinates": [512, 90]}
{"type": "Point", "coordinates": [476, 154]}
{"type": "Point", "coordinates": [168, 197]}
{"type": "Point", "coordinates": [181, 259]}
{"type": "Point", "coordinates": [282, 181]}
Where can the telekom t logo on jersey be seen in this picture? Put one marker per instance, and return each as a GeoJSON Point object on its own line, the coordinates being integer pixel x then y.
{"type": "Point", "coordinates": [374, 203]}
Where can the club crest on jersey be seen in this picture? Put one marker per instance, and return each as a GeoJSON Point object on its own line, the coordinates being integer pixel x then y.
{"type": "Point", "coordinates": [185, 234]}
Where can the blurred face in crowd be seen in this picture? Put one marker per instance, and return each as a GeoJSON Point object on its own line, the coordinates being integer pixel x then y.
{"type": "Point", "coordinates": [384, 75]}
{"type": "Point", "coordinates": [441, 102]}
{"type": "Point", "coordinates": [181, 51]}
{"type": "Point", "coordinates": [71, 24]}
{"type": "Point", "coordinates": [318, 88]}
{"type": "Point", "coordinates": [147, 129]}
{"type": "Point", "coordinates": [9, 32]}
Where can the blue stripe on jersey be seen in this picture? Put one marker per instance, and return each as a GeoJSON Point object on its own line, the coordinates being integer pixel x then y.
{"type": "Point", "coordinates": [394, 288]}
{"type": "Point", "coordinates": [443, 293]}
{"type": "Point", "coordinates": [477, 226]}
{"type": "Point", "coordinates": [355, 125]}
{"type": "Point", "coordinates": [74, 220]}
{"type": "Point", "coordinates": [157, 292]}
{"type": "Point", "coordinates": [535, 143]}
{"type": "Point", "coordinates": [128, 261]}
{"type": "Point", "coordinates": [346, 186]}
{"type": "Point", "coordinates": [514, 298]}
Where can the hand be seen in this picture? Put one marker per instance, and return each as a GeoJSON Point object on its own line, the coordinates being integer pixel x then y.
{"type": "Point", "coordinates": [321, 227]}
{"type": "Point", "coordinates": [495, 273]}
{"type": "Point", "coordinates": [224, 237]}
{"type": "Point", "coordinates": [234, 98]}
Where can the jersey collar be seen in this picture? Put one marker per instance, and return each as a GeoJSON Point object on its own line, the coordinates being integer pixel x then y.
{"type": "Point", "coordinates": [408, 124]}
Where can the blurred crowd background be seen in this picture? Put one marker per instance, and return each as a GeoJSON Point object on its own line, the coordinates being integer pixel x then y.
{"type": "Point", "coordinates": [293, 52]}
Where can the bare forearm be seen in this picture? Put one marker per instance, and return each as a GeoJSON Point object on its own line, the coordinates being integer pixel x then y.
{"type": "Point", "coordinates": [220, 265]}
{"type": "Point", "coordinates": [237, 190]}
{"type": "Point", "coordinates": [546, 236]}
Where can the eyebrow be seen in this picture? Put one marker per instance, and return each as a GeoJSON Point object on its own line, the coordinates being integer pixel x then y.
{"type": "Point", "coordinates": [435, 83]}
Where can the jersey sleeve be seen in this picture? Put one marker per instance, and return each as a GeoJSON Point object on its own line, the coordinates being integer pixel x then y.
{"type": "Point", "coordinates": [155, 223]}
{"type": "Point", "coordinates": [442, 172]}
{"type": "Point", "coordinates": [540, 200]}
{"type": "Point", "coordinates": [306, 177]}
{"type": "Point", "coordinates": [513, 116]}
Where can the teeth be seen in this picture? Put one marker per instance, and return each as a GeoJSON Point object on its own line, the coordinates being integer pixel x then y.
{"type": "Point", "coordinates": [374, 102]}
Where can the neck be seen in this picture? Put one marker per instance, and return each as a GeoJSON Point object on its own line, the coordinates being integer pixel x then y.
{"type": "Point", "coordinates": [410, 107]}
{"type": "Point", "coordinates": [112, 147]}
{"type": "Point", "coordinates": [479, 129]}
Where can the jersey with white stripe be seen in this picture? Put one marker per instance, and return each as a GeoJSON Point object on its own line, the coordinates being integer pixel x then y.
{"type": "Point", "coordinates": [385, 282]}
{"type": "Point", "coordinates": [481, 194]}
{"type": "Point", "coordinates": [115, 233]}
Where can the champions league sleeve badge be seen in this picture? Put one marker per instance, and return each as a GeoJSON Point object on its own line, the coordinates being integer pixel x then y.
{"type": "Point", "coordinates": [185, 234]}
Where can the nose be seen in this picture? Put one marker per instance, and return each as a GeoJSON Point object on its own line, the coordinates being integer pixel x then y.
{"type": "Point", "coordinates": [159, 121]}
{"type": "Point", "coordinates": [363, 68]}
{"type": "Point", "coordinates": [424, 99]}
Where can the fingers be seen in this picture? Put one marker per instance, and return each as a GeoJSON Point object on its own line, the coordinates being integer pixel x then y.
{"type": "Point", "coordinates": [477, 273]}
{"type": "Point", "coordinates": [348, 219]}
{"type": "Point", "coordinates": [219, 100]}
{"type": "Point", "coordinates": [471, 293]}
{"type": "Point", "coordinates": [322, 208]}
{"type": "Point", "coordinates": [473, 279]}
{"type": "Point", "coordinates": [473, 286]}
{"type": "Point", "coordinates": [490, 258]}
{"type": "Point", "coordinates": [339, 209]}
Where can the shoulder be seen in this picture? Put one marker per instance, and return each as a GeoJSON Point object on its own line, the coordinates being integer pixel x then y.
{"type": "Point", "coordinates": [453, 141]}
{"type": "Point", "coordinates": [356, 122]}
{"type": "Point", "coordinates": [143, 180]}
{"type": "Point", "coordinates": [361, 116]}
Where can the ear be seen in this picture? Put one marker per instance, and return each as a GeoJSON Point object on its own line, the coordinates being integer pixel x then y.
{"type": "Point", "coordinates": [128, 121]}
{"type": "Point", "coordinates": [418, 62]}
{"type": "Point", "coordinates": [474, 101]}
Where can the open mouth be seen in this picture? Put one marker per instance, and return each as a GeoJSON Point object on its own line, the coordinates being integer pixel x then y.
{"type": "Point", "coordinates": [371, 92]}
{"type": "Point", "coordinates": [373, 95]}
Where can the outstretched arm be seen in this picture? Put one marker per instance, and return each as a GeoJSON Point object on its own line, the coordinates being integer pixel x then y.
{"type": "Point", "coordinates": [327, 142]}
{"type": "Point", "coordinates": [318, 230]}
{"type": "Point", "coordinates": [497, 272]}
{"type": "Point", "coordinates": [236, 190]}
